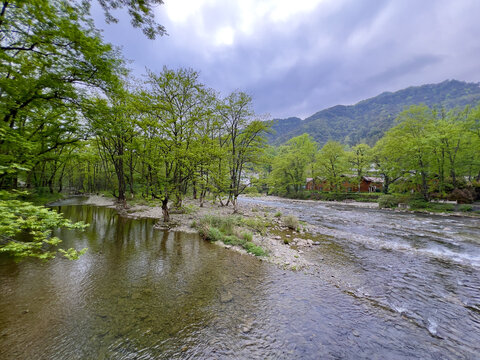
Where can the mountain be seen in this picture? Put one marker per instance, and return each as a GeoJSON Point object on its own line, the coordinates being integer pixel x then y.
{"type": "Point", "coordinates": [283, 126]}
{"type": "Point", "coordinates": [368, 120]}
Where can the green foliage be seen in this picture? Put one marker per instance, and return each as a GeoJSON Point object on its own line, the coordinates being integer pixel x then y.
{"type": "Point", "coordinates": [247, 235]}
{"type": "Point", "coordinates": [214, 234]}
{"type": "Point", "coordinates": [388, 201]}
{"type": "Point", "coordinates": [332, 163]}
{"type": "Point", "coordinates": [465, 208]}
{"type": "Point", "coordinates": [27, 229]}
{"type": "Point", "coordinates": [278, 214]}
{"type": "Point", "coordinates": [256, 224]}
{"type": "Point", "coordinates": [225, 229]}
{"type": "Point", "coordinates": [254, 249]}
{"type": "Point", "coordinates": [290, 165]}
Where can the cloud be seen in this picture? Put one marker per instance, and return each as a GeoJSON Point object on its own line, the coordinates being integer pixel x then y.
{"type": "Point", "coordinates": [298, 58]}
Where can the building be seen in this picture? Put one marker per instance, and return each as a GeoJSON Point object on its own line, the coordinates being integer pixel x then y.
{"type": "Point", "coordinates": [348, 184]}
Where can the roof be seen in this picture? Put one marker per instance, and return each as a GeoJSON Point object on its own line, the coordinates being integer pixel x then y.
{"type": "Point", "coordinates": [373, 179]}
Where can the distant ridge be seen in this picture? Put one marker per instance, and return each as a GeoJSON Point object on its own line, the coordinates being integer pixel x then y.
{"type": "Point", "coordinates": [368, 120]}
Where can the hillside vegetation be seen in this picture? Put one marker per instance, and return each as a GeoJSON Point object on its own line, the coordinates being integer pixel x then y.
{"type": "Point", "coordinates": [368, 120]}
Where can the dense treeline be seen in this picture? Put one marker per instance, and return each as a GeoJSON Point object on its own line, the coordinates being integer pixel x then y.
{"type": "Point", "coordinates": [430, 151]}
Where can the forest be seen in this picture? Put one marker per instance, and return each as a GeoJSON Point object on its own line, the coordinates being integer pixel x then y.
{"type": "Point", "coordinates": [74, 121]}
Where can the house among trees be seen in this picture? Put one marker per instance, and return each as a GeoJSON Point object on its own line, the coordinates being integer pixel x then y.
{"type": "Point", "coordinates": [347, 184]}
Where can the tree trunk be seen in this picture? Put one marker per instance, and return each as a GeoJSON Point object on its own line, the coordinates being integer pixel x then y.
{"type": "Point", "coordinates": [166, 214]}
{"type": "Point", "coordinates": [235, 205]}
{"type": "Point", "coordinates": [194, 185]}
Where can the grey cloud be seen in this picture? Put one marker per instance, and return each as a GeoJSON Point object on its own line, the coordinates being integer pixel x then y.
{"type": "Point", "coordinates": [323, 58]}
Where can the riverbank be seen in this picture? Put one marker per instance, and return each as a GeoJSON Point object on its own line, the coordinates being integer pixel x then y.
{"type": "Point", "coordinates": [285, 247]}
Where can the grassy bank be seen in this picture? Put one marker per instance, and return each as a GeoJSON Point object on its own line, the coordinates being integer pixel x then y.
{"type": "Point", "coordinates": [233, 230]}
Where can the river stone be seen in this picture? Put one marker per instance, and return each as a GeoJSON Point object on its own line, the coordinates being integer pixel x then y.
{"type": "Point", "coordinates": [226, 297]}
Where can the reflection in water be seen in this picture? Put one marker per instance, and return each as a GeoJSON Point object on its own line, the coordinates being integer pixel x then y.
{"type": "Point", "coordinates": [148, 294]}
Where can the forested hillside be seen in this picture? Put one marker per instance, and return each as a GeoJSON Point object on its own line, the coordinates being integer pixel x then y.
{"type": "Point", "coordinates": [368, 120]}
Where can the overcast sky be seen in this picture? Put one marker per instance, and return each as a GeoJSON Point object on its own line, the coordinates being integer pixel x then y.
{"type": "Point", "coordinates": [298, 57]}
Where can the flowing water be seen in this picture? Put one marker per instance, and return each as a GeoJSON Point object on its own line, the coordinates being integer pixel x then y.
{"type": "Point", "coordinates": [387, 286]}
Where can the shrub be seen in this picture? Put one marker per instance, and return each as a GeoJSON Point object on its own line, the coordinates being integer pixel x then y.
{"type": "Point", "coordinates": [465, 208]}
{"type": "Point", "coordinates": [291, 222]}
{"type": "Point", "coordinates": [418, 204]}
{"type": "Point", "coordinates": [247, 236]}
{"type": "Point", "coordinates": [225, 224]}
{"type": "Point", "coordinates": [254, 249]}
{"type": "Point", "coordinates": [462, 196]}
{"type": "Point", "coordinates": [257, 224]}
{"type": "Point", "coordinates": [388, 201]}
{"type": "Point", "coordinates": [251, 190]}
{"type": "Point", "coordinates": [214, 234]}
{"type": "Point", "coordinates": [278, 214]}
{"type": "Point", "coordinates": [233, 240]}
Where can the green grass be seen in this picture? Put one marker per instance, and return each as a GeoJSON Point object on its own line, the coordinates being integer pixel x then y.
{"type": "Point", "coordinates": [229, 230]}
{"type": "Point", "coordinates": [291, 222]}
{"type": "Point", "coordinates": [465, 208]}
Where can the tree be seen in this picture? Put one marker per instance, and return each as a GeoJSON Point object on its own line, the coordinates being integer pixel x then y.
{"type": "Point", "coordinates": [111, 122]}
{"type": "Point", "coordinates": [473, 125]}
{"type": "Point", "coordinates": [172, 107]}
{"type": "Point", "coordinates": [141, 13]}
{"type": "Point", "coordinates": [26, 229]}
{"type": "Point", "coordinates": [51, 59]}
{"type": "Point", "coordinates": [290, 164]}
{"type": "Point", "coordinates": [332, 163]}
{"type": "Point", "coordinates": [360, 160]}
{"type": "Point", "coordinates": [50, 55]}
{"type": "Point", "coordinates": [412, 138]}
{"type": "Point", "coordinates": [387, 162]}
{"type": "Point", "coordinates": [244, 136]}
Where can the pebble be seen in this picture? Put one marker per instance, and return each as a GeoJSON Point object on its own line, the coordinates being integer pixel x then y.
{"type": "Point", "coordinates": [226, 297]}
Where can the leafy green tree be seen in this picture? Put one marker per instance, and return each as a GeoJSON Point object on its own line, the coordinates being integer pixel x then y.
{"type": "Point", "coordinates": [50, 55]}
{"type": "Point", "coordinates": [473, 126]}
{"type": "Point", "coordinates": [387, 161]}
{"type": "Point", "coordinates": [51, 59]}
{"type": "Point", "coordinates": [244, 136]}
{"type": "Point", "coordinates": [26, 229]}
{"type": "Point", "coordinates": [413, 138]}
{"type": "Point", "coordinates": [290, 165]}
{"type": "Point", "coordinates": [141, 14]}
{"type": "Point", "coordinates": [111, 122]}
{"type": "Point", "coordinates": [172, 107]}
{"type": "Point", "coordinates": [360, 160]}
{"type": "Point", "coordinates": [332, 163]}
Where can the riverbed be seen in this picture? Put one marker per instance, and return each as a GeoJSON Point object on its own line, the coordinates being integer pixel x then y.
{"type": "Point", "coordinates": [385, 285]}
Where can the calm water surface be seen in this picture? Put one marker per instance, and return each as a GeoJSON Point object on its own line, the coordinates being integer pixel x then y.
{"type": "Point", "coordinates": [140, 293]}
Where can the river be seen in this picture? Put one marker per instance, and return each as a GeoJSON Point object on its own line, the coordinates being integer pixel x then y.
{"type": "Point", "coordinates": [386, 285]}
